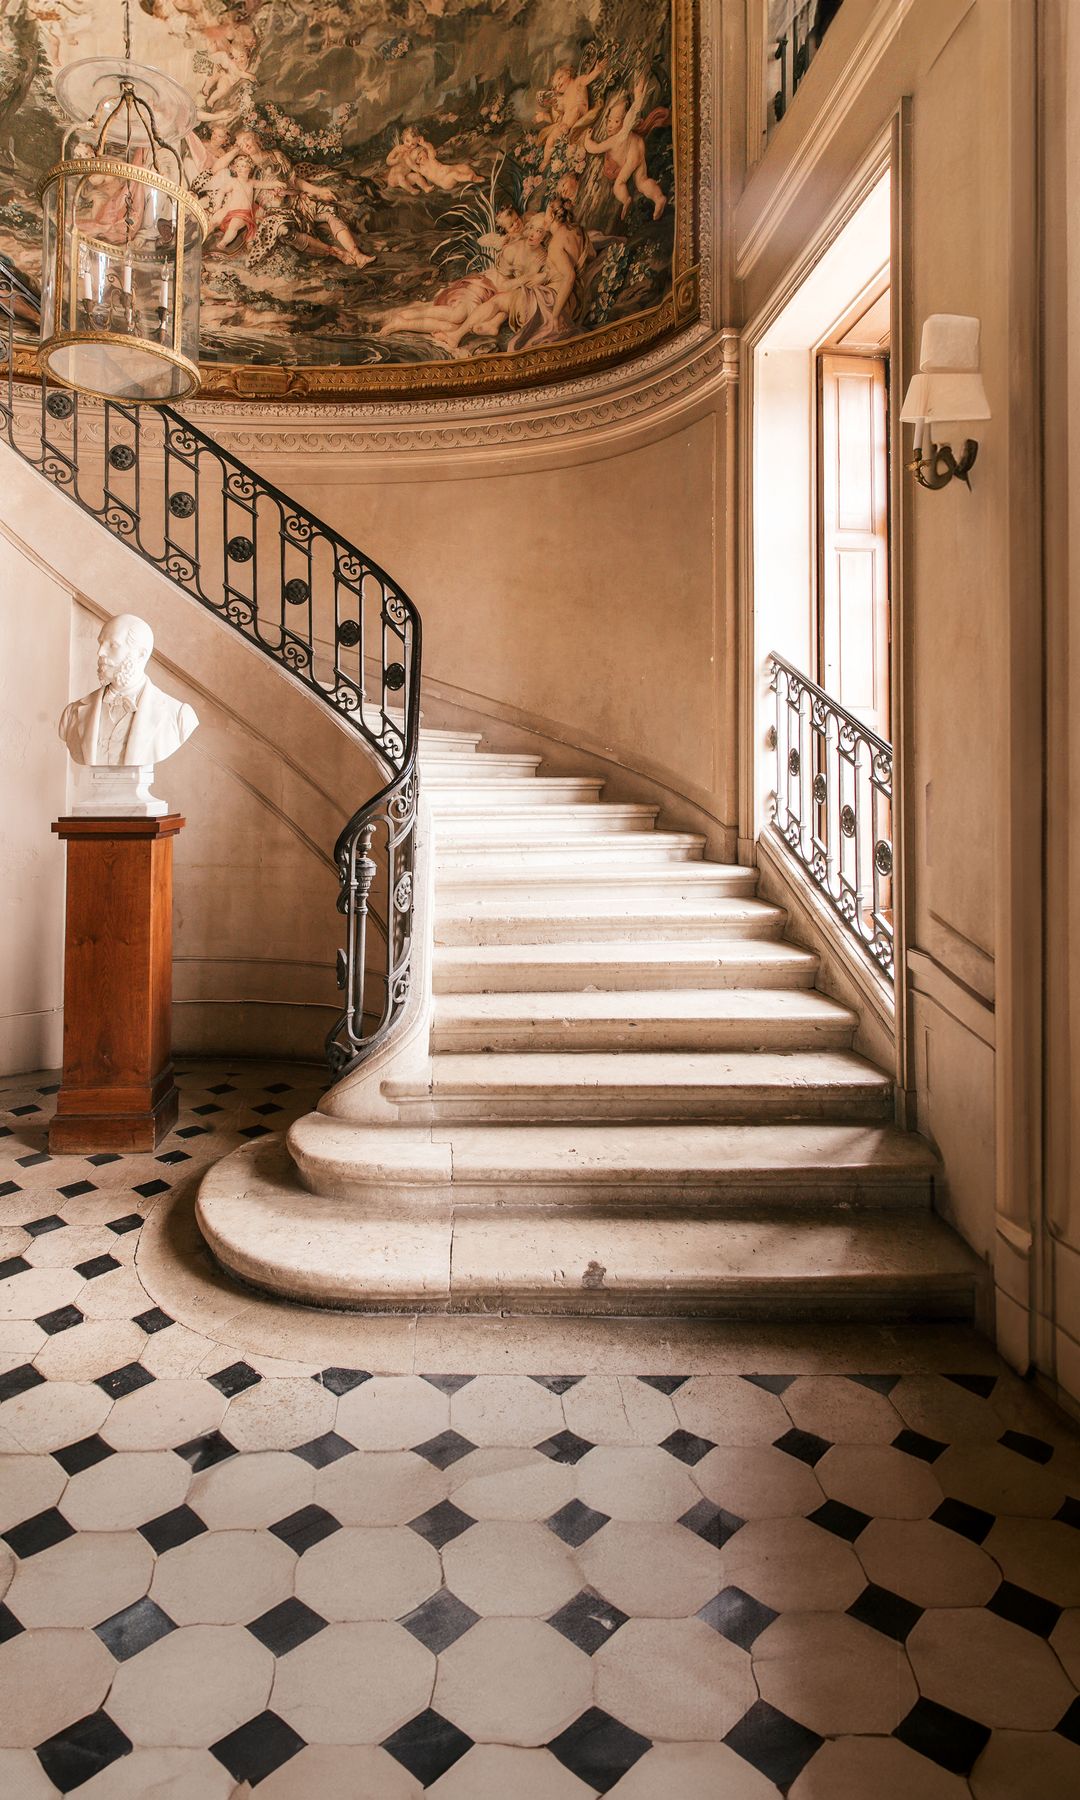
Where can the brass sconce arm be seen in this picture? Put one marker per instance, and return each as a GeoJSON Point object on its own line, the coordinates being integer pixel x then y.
{"type": "Point", "coordinates": [942, 466]}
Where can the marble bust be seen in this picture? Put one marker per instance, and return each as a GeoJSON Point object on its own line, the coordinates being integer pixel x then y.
{"type": "Point", "coordinates": [127, 721]}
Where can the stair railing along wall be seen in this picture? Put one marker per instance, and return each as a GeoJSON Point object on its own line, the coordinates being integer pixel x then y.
{"type": "Point", "coordinates": [289, 585]}
{"type": "Point", "coordinates": [833, 807]}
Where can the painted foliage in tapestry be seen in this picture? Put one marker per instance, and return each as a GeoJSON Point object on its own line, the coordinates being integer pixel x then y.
{"type": "Point", "coordinates": [412, 184]}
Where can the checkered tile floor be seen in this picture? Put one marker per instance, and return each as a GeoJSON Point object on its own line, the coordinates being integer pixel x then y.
{"type": "Point", "coordinates": [221, 1572]}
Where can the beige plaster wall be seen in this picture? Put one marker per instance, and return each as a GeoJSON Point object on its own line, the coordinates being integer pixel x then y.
{"type": "Point", "coordinates": [967, 616]}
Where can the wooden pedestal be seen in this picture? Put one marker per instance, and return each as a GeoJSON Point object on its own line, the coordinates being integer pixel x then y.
{"type": "Point", "coordinates": [118, 1091]}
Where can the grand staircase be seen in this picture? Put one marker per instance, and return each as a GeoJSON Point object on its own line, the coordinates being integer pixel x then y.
{"type": "Point", "coordinates": [635, 1101]}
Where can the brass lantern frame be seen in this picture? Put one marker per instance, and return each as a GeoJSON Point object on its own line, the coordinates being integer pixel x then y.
{"type": "Point", "coordinates": [67, 177]}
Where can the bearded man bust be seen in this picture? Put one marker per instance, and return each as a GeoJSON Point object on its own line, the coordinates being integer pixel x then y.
{"type": "Point", "coordinates": [127, 720]}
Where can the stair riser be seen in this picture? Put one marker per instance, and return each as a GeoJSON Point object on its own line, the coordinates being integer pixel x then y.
{"type": "Point", "coordinates": [670, 928]}
{"type": "Point", "coordinates": [635, 855]}
{"type": "Point", "coordinates": [647, 1034]}
{"type": "Point", "coordinates": [614, 978]}
{"type": "Point", "coordinates": [883, 1303]}
{"type": "Point", "coordinates": [584, 891]}
{"type": "Point", "coordinates": [513, 791]}
{"type": "Point", "coordinates": [548, 825]}
{"type": "Point", "coordinates": [795, 1191]}
{"type": "Point", "coordinates": [735, 1106]}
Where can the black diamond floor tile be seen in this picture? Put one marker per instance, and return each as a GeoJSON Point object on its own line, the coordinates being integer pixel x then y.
{"type": "Point", "coordinates": [9, 1624]}
{"type": "Point", "coordinates": [38, 1533]}
{"type": "Point", "coordinates": [207, 1107]}
{"type": "Point", "coordinates": [82, 1750]}
{"type": "Point", "coordinates": [36, 1228]}
{"type": "Point", "coordinates": [76, 1189]}
{"type": "Point", "coordinates": [303, 1529]}
{"type": "Point", "coordinates": [778, 1747]}
{"type": "Point", "coordinates": [342, 1381]}
{"type": "Point", "coordinates": [256, 1749]}
{"type": "Point", "coordinates": [20, 1112]}
{"type": "Point", "coordinates": [588, 1620]}
{"type": "Point", "coordinates": [97, 1265]}
{"type": "Point", "coordinates": [448, 1384]}
{"type": "Point", "coordinates": [967, 1521]}
{"type": "Point", "coordinates": [272, 1087]}
{"type": "Point", "coordinates": [557, 1384]}
{"type": "Point", "coordinates": [324, 1450]}
{"type": "Point", "coordinates": [18, 1381]}
{"type": "Point", "coordinates": [983, 1385]}
{"type": "Point", "coordinates": [886, 1612]}
{"type": "Point", "coordinates": [575, 1522]}
{"type": "Point", "coordinates": [598, 1749]}
{"type": "Point", "coordinates": [664, 1384]}
{"type": "Point", "coordinates": [287, 1626]}
{"type": "Point", "coordinates": [150, 1189]}
{"type": "Point", "coordinates": [712, 1523]}
{"type": "Point", "coordinates": [1037, 1450]}
{"type": "Point", "coordinates": [203, 1452]}
{"type": "Point", "coordinates": [440, 1621]}
{"type": "Point", "coordinates": [134, 1629]}
{"type": "Point", "coordinates": [687, 1447]}
{"type": "Point", "coordinates": [267, 1107]}
{"type": "Point", "coordinates": [223, 1087]}
{"type": "Point", "coordinates": [9, 1187]}
{"type": "Point", "coordinates": [773, 1384]}
{"type": "Point", "coordinates": [737, 1616]}
{"type": "Point", "coordinates": [129, 1222]}
{"type": "Point", "coordinates": [1069, 1724]}
{"type": "Point", "coordinates": [1024, 1608]}
{"type": "Point", "coordinates": [73, 1458]}
{"type": "Point", "coordinates": [445, 1449]}
{"type": "Point", "coordinates": [13, 1265]}
{"type": "Point", "coordinates": [172, 1528]}
{"type": "Point", "coordinates": [61, 1319]}
{"type": "Point", "coordinates": [154, 1320]}
{"type": "Point", "coordinates": [126, 1380]}
{"type": "Point", "coordinates": [879, 1384]}
{"type": "Point", "coordinates": [948, 1738]}
{"type": "Point", "coordinates": [173, 1156]}
{"type": "Point", "coordinates": [234, 1379]}
{"type": "Point", "coordinates": [806, 1446]}
{"type": "Point", "coordinates": [101, 1157]}
{"type": "Point", "coordinates": [843, 1521]}
{"type": "Point", "coordinates": [34, 1160]}
{"type": "Point", "coordinates": [915, 1443]}
{"type": "Point", "coordinates": [254, 1131]}
{"type": "Point", "coordinates": [565, 1447]}
{"type": "Point", "coordinates": [441, 1524]}
{"type": "Point", "coordinates": [427, 1746]}
{"type": "Point", "coordinates": [190, 1131]}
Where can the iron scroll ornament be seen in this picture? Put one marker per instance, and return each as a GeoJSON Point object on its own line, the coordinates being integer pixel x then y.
{"type": "Point", "coordinates": [318, 607]}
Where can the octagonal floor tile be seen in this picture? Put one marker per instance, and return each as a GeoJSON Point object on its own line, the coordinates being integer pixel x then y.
{"type": "Point", "coordinates": [378, 1572]}
{"type": "Point", "coordinates": [253, 1491]}
{"type": "Point", "coordinates": [926, 1563]}
{"type": "Point", "coordinates": [47, 1679]}
{"type": "Point", "coordinates": [380, 1487]}
{"type": "Point", "coordinates": [512, 1681]}
{"type": "Point", "coordinates": [340, 1772]}
{"type": "Point", "coordinates": [618, 1409]}
{"type": "Point", "coordinates": [82, 1580]}
{"type": "Point", "coordinates": [224, 1578]}
{"type": "Point", "coordinates": [505, 1410]}
{"type": "Point", "coordinates": [833, 1674]}
{"type": "Point", "coordinates": [646, 1484]}
{"type": "Point", "coordinates": [693, 1772]}
{"type": "Point", "coordinates": [757, 1481]}
{"type": "Point", "coordinates": [161, 1774]}
{"type": "Point", "coordinates": [875, 1768]}
{"type": "Point", "coordinates": [840, 1410]}
{"type": "Point", "coordinates": [497, 1771]}
{"type": "Point", "coordinates": [879, 1480]}
{"type": "Point", "coordinates": [728, 1410]}
{"type": "Point", "coordinates": [192, 1687]}
{"type": "Point", "coordinates": [511, 1567]}
{"type": "Point", "coordinates": [651, 1571]}
{"type": "Point", "coordinates": [942, 1409]}
{"type": "Point", "coordinates": [278, 1415]}
{"type": "Point", "coordinates": [392, 1412]}
{"type": "Point", "coordinates": [1027, 1765]}
{"type": "Point", "coordinates": [30, 1485]}
{"type": "Point", "coordinates": [56, 1413]}
{"type": "Point", "coordinates": [164, 1414]}
{"type": "Point", "coordinates": [354, 1683]}
{"type": "Point", "coordinates": [125, 1490]}
{"type": "Point", "coordinates": [510, 1484]}
{"type": "Point", "coordinates": [1042, 1555]}
{"type": "Point", "coordinates": [989, 1669]}
{"type": "Point", "coordinates": [995, 1478]}
{"type": "Point", "coordinates": [90, 1350]}
{"type": "Point", "coordinates": [792, 1566]}
{"type": "Point", "coordinates": [674, 1678]}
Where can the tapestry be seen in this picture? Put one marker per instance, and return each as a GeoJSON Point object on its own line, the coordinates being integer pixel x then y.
{"type": "Point", "coordinates": [411, 195]}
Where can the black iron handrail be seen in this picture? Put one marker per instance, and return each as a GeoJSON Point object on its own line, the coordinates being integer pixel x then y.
{"type": "Point", "coordinates": [833, 801]}
{"type": "Point", "coordinates": [290, 585]}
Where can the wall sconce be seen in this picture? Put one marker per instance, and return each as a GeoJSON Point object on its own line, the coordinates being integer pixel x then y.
{"type": "Point", "coordinates": [944, 398]}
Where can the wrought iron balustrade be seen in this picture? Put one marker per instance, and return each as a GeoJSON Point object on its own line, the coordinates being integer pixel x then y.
{"type": "Point", "coordinates": [833, 807]}
{"type": "Point", "coordinates": [292, 587]}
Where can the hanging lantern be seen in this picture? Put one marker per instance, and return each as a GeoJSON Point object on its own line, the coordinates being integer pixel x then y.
{"type": "Point", "coordinates": [123, 237]}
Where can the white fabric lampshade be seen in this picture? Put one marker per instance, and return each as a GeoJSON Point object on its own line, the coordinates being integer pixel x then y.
{"type": "Point", "coordinates": [949, 386]}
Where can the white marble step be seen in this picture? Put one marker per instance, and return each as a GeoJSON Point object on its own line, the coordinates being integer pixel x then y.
{"type": "Point", "coordinates": [739, 1086]}
{"type": "Point", "coordinates": [440, 765]}
{"type": "Point", "coordinates": [268, 1230]}
{"type": "Point", "coordinates": [667, 1019]}
{"type": "Point", "coordinates": [462, 743]}
{"type": "Point", "coordinates": [616, 1166]}
{"type": "Point", "coordinates": [478, 822]}
{"type": "Point", "coordinates": [449, 790]}
{"type": "Point", "coordinates": [550, 852]}
{"type": "Point", "coordinates": [548, 921]}
{"type": "Point", "coordinates": [581, 967]}
{"type": "Point", "coordinates": [593, 885]}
